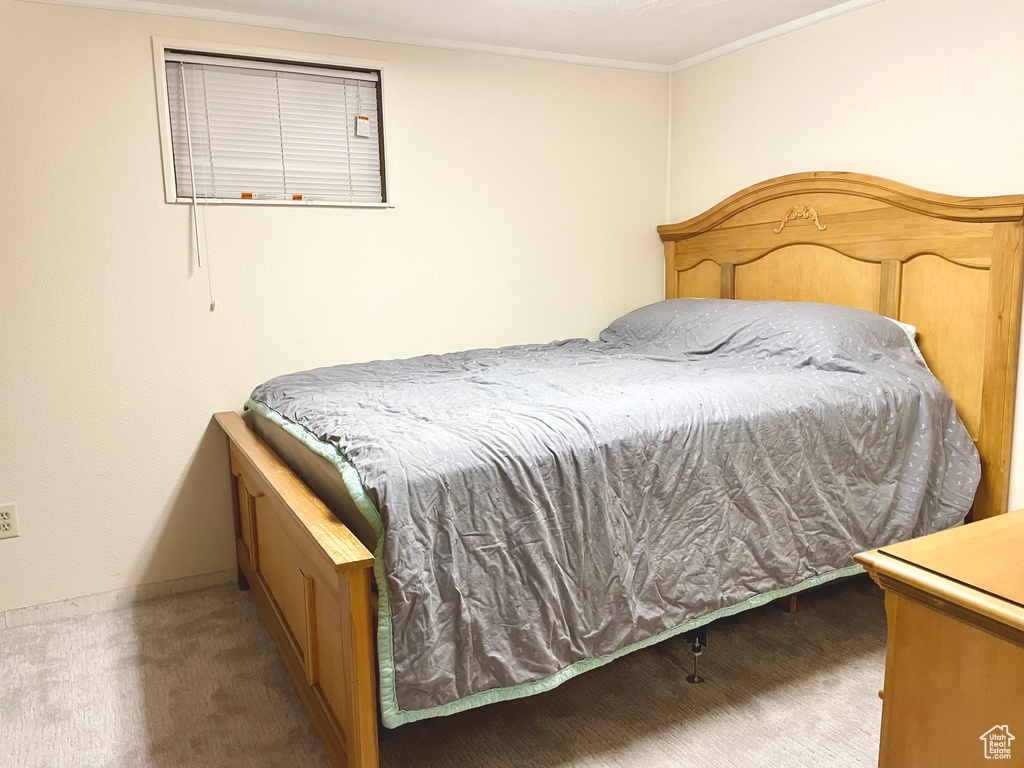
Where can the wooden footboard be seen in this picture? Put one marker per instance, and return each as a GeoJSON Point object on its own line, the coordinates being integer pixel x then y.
{"type": "Point", "coordinates": [311, 580]}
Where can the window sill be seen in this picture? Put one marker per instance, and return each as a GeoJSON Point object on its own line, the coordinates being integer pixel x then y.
{"type": "Point", "coordinates": [298, 203]}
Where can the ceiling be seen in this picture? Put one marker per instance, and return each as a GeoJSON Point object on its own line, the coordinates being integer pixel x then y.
{"type": "Point", "coordinates": [652, 32]}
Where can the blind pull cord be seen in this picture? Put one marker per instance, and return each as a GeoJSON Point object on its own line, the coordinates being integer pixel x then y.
{"type": "Point", "coordinates": [192, 178]}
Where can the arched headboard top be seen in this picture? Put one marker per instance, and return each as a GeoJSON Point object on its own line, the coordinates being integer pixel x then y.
{"type": "Point", "coordinates": [934, 204]}
{"type": "Point", "coordinates": [951, 266]}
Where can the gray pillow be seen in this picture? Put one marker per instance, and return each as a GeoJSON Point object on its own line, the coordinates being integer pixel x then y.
{"type": "Point", "coordinates": [801, 332]}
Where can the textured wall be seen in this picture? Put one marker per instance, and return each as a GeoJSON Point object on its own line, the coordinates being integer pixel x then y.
{"type": "Point", "coordinates": [926, 92]}
{"type": "Point", "coordinates": [525, 211]}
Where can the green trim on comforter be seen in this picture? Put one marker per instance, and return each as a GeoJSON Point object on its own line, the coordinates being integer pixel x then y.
{"type": "Point", "coordinates": [393, 716]}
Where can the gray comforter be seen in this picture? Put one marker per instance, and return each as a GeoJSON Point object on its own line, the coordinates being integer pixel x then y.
{"type": "Point", "coordinates": [544, 505]}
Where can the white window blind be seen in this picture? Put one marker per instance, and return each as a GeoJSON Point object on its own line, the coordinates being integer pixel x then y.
{"type": "Point", "coordinates": [257, 130]}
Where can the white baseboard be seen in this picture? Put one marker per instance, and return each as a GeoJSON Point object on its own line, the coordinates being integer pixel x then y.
{"type": "Point", "coordinates": [108, 601]}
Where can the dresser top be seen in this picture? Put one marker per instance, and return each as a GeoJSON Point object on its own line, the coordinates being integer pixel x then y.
{"type": "Point", "coordinates": [987, 555]}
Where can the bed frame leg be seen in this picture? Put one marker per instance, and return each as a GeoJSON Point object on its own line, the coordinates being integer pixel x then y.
{"type": "Point", "coordinates": [698, 640]}
{"type": "Point", "coordinates": [243, 583]}
{"type": "Point", "coordinates": [788, 604]}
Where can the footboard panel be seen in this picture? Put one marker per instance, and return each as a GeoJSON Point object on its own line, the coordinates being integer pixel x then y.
{"type": "Point", "coordinates": [310, 577]}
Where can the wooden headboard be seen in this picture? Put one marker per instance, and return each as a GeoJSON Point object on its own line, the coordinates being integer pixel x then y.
{"type": "Point", "coordinates": [951, 266]}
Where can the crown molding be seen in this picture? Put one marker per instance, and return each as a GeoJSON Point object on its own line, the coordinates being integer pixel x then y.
{"type": "Point", "coordinates": [783, 29]}
{"type": "Point", "coordinates": [295, 25]}
{"type": "Point", "coordinates": [334, 30]}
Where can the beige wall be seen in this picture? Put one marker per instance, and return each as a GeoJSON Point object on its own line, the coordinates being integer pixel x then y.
{"type": "Point", "coordinates": [525, 210]}
{"type": "Point", "coordinates": [926, 92]}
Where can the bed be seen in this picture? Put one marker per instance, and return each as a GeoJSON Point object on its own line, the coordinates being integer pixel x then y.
{"type": "Point", "coordinates": [949, 266]}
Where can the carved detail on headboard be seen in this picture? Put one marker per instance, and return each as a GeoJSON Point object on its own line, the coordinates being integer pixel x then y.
{"type": "Point", "coordinates": [800, 211]}
{"type": "Point", "coordinates": [986, 209]}
{"type": "Point", "coordinates": [952, 266]}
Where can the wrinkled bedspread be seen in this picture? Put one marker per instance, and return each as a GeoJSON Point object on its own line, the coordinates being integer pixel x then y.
{"type": "Point", "coordinates": [549, 504]}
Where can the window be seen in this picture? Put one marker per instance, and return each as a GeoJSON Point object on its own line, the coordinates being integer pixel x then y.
{"type": "Point", "coordinates": [255, 130]}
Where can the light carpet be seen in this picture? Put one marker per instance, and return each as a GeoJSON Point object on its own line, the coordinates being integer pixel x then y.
{"type": "Point", "coordinates": [194, 680]}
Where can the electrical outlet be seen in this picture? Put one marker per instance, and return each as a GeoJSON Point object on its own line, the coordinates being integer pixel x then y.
{"type": "Point", "coordinates": [9, 521]}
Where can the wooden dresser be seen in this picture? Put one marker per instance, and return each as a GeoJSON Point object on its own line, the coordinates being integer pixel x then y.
{"type": "Point", "coordinates": [954, 668]}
